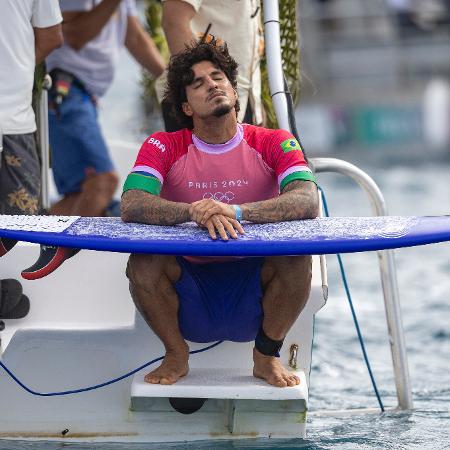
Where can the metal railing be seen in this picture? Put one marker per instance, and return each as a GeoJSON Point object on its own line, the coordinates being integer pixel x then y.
{"type": "Point", "coordinates": [388, 276]}
{"type": "Point", "coordinates": [43, 139]}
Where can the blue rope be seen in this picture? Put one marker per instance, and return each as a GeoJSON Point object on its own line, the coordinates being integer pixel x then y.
{"type": "Point", "coordinates": [352, 309]}
{"type": "Point", "coordinates": [97, 386]}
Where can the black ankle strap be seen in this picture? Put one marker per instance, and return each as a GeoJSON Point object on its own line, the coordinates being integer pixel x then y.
{"type": "Point", "coordinates": [267, 346]}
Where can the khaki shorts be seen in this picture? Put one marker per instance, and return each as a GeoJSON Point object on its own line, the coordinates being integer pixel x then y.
{"type": "Point", "coordinates": [20, 179]}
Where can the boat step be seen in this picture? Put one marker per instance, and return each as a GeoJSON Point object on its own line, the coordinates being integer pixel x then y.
{"type": "Point", "coordinates": [232, 384]}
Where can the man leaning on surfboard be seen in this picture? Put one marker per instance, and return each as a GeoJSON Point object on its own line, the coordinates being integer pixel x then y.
{"type": "Point", "coordinates": [218, 173]}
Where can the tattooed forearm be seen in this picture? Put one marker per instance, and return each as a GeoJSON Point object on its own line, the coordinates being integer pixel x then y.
{"type": "Point", "coordinates": [142, 207]}
{"type": "Point", "coordinates": [299, 200]}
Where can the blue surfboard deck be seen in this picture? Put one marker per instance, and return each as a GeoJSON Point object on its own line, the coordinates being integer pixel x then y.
{"type": "Point", "coordinates": [305, 237]}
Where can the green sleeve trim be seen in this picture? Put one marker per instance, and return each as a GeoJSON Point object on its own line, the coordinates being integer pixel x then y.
{"type": "Point", "coordinates": [303, 175]}
{"type": "Point", "coordinates": [142, 183]}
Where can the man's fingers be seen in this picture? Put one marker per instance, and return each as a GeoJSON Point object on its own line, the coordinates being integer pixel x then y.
{"type": "Point", "coordinates": [220, 228]}
{"type": "Point", "coordinates": [229, 227]}
{"type": "Point", "coordinates": [237, 225]}
{"type": "Point", "coordinates": [197, 214]}
{"type": "Point", "coordinates": [223, 225]}
{"type": "Point", "coordinates": [198, 209]}
{"type": "Point", "coordinates": [211, 230]}
{"type": "Point", "coordinates": [216, 209]}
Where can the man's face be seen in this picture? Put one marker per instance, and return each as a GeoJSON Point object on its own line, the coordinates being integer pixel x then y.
{"type": "Point", "coordinates": [210, 93]}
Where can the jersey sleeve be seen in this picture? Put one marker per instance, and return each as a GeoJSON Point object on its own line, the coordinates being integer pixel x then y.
{"type": "Point", "coordinates": [46, 13]}
{"type": "Point", "coordinates": [194, 3]}
{"type": "Point", "coordinates": [75, 5]}
{"type": "Point", "coordinates": [284, 155]}
{"type": "Point", "coordinates": [151, 166]}
{"type": "Point", "coordinates": [131, 8]}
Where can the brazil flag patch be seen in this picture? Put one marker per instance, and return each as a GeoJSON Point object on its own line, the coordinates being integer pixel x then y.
{"type": "Point", "coordinates": [290, 144]}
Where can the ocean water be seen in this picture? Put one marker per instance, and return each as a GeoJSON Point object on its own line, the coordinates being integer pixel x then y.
{"type": "Point", "coordinates": [339, 378]}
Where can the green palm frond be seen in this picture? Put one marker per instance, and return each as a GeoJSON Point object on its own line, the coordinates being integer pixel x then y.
{"type": "Point", "coordinates": [153, 15]}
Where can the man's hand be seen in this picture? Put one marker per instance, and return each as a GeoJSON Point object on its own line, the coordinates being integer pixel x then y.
{"type": "Point", "coordinates": [223, 225]}
{"type": "Point", "coordinates": [202, 210]}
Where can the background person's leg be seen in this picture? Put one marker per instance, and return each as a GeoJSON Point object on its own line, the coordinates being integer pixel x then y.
{"type": "Point", "coordinates": [20, 180]}
{"type": "Point", "coordinates": [96, 194]}
{"type": "Point", "coordinates": [19, 195]}
{"type": "Point", "coordinates": [82, 167]}
{"type": "Point", "coordinates": [152, 279]}
{"type": "Point", "coordinates": [286, 284]}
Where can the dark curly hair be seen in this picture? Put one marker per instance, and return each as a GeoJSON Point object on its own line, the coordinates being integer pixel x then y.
{"type": "Point", "coordinates": [180, 75]}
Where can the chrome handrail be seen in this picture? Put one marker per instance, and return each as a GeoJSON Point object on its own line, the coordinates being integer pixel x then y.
{"type": "Point", "coordinates": [388, 275]}
{"type": "Point", "coordinates": [43, 138]}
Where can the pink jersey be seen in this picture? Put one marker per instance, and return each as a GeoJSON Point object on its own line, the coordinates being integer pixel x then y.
{"type": "Point", "coordinates": [254, 165]}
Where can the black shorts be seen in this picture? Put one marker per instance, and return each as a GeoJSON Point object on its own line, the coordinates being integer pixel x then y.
{"type": "Point", "coordinates": [20, 178]}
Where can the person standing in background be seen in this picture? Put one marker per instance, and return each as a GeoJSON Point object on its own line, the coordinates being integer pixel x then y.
{"type": "Point", "coordinates": [82, 70]}
{"type": "Point", "coordinates": [29, 31]}
{"type": "Point", "coordinates": [236, 22]}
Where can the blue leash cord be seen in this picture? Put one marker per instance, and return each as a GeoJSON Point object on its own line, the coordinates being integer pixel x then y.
{"type": "Point", "coordinates": [352, 309]}
{"type": "Point", "coordinates": [97, 386]}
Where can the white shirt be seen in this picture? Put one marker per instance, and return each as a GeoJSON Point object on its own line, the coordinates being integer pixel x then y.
{"type": "Point", "coordinates": [94, 65]}
{"type": "Point", "coordinates": [17, 59]}
{"type": "Point", "coordinates": [238, 23]}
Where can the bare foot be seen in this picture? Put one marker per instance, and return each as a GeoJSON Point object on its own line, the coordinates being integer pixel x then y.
{"type": "Point", "coordinates": [174, 366]}
{"type": "Point", "coordinates": [270, 369]}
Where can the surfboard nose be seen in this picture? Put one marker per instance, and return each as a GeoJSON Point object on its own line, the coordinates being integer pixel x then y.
{"type": "Point", "coordinates": [50, 258]}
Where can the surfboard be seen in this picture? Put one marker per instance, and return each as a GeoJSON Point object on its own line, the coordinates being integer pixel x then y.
{"type": "Point", "coordinates": [304, 237]}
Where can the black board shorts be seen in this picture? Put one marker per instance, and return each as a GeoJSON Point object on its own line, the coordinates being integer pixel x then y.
{"type": "Point", "coordinates": [20, 179]}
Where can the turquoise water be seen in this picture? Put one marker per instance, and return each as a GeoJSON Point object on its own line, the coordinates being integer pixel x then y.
{"type": "Point", "coordinates": [339, 378]}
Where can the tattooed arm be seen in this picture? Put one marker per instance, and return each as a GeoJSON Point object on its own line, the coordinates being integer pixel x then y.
{"type": "Point", "coordinates": [143, 207]}
{"type": "Point", "coordinates": [298, 200]}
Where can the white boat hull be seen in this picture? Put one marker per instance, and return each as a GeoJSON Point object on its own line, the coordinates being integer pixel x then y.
{"type": "Point", "coordinates": [82, 330]}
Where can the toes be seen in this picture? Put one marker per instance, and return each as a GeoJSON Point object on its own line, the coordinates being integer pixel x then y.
{"type": "Point", "coordinates": [168, 380]}
{"type": "Point", "coordinates": [293, 380]}
{"type": "Point", "coordinates": [151, 379]}
{"type": "Point", "coordinates": [278, 381]}
{"type": "Point", "coordinates": [156, 378]}
{"type": "Point", "coordinates": [284, 380]}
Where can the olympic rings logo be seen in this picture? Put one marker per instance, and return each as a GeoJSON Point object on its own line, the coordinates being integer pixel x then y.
{"type": "Point", "coordinates": [220, 196]}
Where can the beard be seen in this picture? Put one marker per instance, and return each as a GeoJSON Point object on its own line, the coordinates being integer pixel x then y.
{"type": "Point", "coordinates": [222, 110]}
